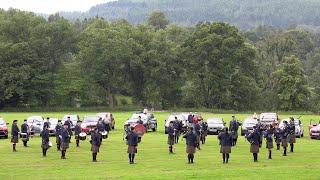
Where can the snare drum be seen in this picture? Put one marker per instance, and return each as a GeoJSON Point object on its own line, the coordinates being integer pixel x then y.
{"type": "Point", "coordinates": [82, 136]}
{"type": "Point", "coordinates": [104, 134]}
{"type": "Point", "coordinates": [24, 136]}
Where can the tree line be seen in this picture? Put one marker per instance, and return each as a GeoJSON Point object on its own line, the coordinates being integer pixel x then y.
{"type": "Point", "coordinates": [56, 62]}
{"type": "Point", "coordinates": [246, 14]}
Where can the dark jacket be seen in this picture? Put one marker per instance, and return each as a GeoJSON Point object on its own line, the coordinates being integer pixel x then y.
{"type": "Point", "coordinates": [24, 128]}
{"type": "Point", "coordinates": [204, 126]}
{"type": "Point", "coordinates": [65, 135]}
{"type": "Point", "coordinates": [292, 128]}
{"type": "Point", "coordinates": [268, 135]}
{"type": "Point", "coordinates": [170, 131]}
{"type": "Point", "coordinates": [132, 138]}
{"type": "Point", "coordinates": [254, 137]}
{"type": "Point", "coordinates": [177, 125]}
{"type": "Point", "coordinates": [77, 129]}
{"type": "Point", "coordinates": [100, 127]}
{"type": "Point", "coordinates": [197, 129]}
{"type": "Point", "coordinates": [45, 136]}
{"type": "Point", "coordinates": [234, 125]}
{"type": "Point", "coordinates": [277, 134]}
{"type": "Point", "coordinates": [191, 139]}
{"type": "Point", "coordinates": [285, 132]}
{"type": "Point", "coordinates": [96, 139]}
{"type": "Point", "coordinates": [15, 130]}
{"type": "Point", "coordinates": [46, 125]}
{"type": "Point", "coordinates": [225, 139]}
{"type": "Point", "coordinates": [190, 118]}
{"type": "Point", "coordinates": [58, 129]}
{"type": "Point", "coordinates": [69, 124]}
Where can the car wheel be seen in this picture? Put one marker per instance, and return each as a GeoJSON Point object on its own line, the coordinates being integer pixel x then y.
{"type": "Point", "coordinates": [154, 129]}
{"type": "Point", "coordinates": [301, 135]}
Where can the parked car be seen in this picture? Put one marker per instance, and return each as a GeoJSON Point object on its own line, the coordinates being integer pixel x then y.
{"type": "Point", "coordinates": [89, 123]}
{"type": "Point", "coordinates": [149, 121]}
{"type": "Point", "coordinates": [299, 128]}
{"type": "Point", "coordinates": [247, 125]}
{"type": "Point", "coordinates": [35, 124]}
{"type": "Point", "coordinates": [53, 123]}
{"type": "Point", "coordinates": [73, 117]}
{"type": "Point", "coordinates": [3, 128]}
{"type": "Point", "coordinates": [106, 116]}
{"type": "Point", "coordinates": [171, 118]}
{"type": "Point", "coordinates": [267, 119]}
{"type": "Point", "coordinates": [215, 125]}
{"type": "Point", "coordinates": [314, 130]}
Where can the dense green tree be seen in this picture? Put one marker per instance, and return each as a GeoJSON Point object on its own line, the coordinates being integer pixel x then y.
{"type": "Point", "coordinates": [291, 84]}
{"type": "Point", "coordinates": [158, 20]}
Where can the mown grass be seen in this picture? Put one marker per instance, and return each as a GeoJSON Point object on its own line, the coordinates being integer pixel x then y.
{"type": "Point", "coordinates": [153, 159]}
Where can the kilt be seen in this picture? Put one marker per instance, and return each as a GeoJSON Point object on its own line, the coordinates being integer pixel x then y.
{"type": "Point", "coordinates": [198, 138]}
{"type": "Point", "coordinates": [278, 140]}
{"type": "Point", "coordinates": [95, 149]}
{"type": "Point", "coordinates": [64, 146]}
{"type": "Point", "coordinates": [25, 138]}
{"type": "Point", "coordinates": [191, 149]}
{"type": "Point", "coordinates": [132, 149]}
{"type": "Point", "coordinates": [254, 148]}
{"type": "Point", "coordinates": [170, 140]}
{"type": "Point", "coordinates": [269, 145]}
{"type": "Point", "coordinates": [225, 149]}
{"type": "Point", "coordinates": [292, 138]}
{"type": "Point", "coordinates": [284, 143]}
{"type": "Point", "coordinates": [14, 139]}
{"type": "Point", "coordinates": [45, 145]}
{"type": "Point", "coordinates": [76, 137]}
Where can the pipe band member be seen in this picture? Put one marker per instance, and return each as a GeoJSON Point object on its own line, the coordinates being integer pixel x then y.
{"type": "Point", "coordinates": [191, 144]}
{"type": "Point", "coordinates": [65, 140]}
{"type": "Point", "coordinates": [95, 144]}
{"type": "Point", "coordinates": [254, 139]}
{"type": "Point", "coordinates": [25, 130]}
{"type": "Point", "coordinates": [132, 140]}
{"type": "Point", "coordinates": [225, 139]}
{"type": "Point", "coordinates": [171, 137]}
{"type": "Point", "coordinates": [14, 135]}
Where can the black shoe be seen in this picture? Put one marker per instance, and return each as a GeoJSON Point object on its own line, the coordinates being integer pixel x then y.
{"type": "Point", "coordinates": [94, 161]}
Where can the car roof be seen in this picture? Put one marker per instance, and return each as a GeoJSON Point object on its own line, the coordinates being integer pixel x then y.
{"type": "Point", "coordinates": [215, 119]}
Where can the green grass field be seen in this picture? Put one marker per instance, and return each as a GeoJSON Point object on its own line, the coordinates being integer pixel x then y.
{"type": "Point", "coordinates": [153, 160]}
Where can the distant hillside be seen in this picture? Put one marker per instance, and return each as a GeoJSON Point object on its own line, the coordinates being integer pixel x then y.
{"type": "Point", "coordinates": [243, 13]}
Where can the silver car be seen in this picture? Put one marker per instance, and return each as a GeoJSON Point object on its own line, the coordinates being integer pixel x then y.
{"type": "Point", "coordinates": [35, 124]}
{"type": "Point", "coordinates": [299, 128]}
{"type": "Point", "coordinates": [215, 125]}
{"type": "Point", "coordinates": [247, 125]}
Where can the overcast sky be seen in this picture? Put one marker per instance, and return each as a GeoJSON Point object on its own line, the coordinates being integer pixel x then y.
{"type": "Point", "coordinates": [50, 6]}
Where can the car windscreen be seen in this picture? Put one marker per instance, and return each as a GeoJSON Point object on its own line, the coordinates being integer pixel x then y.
{"type": "Point", "coordinates": [250, 122]}
{"type": "Point", "coordinates": [34, 120]}
{"type": "Point", "coordinates": [90, 119]}
{"type": "Point", "coordinates": [215, 121]}
{"type": "Point", "coordinates": [136, 116]}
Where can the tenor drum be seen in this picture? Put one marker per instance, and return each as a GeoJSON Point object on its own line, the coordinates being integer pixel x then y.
{"type": "Point", "coordinates": [82, 136]}
{"type": "Point", "coordinates": [104, 134]}
{"type": "Point", "coordinates": [140, 129]}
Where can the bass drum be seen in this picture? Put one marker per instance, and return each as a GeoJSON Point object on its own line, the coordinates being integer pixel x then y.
{"type": "Point", "coordinates": [82, 136]}
{"type": "Point", "coordinates": [104, 134]}
{"type": "Point", "coordinates": [140, 129]}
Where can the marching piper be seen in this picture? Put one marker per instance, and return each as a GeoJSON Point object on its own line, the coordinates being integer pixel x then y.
{"type": "Point", "coordinates": [65, 140]}
{"type": "Point", "coordinates": [225, 139]}
{"type": "Point", "coordinates": [45, 141]}
{"type": "Point", "coordinates": [197, 131]}
{"type": "Point", "coordinates": [14, 135]}
{"type": "Point", "coordinates": [69, 124]}
{"type": "Point", "coordinates": [191, 143]}
{"type": "Point", "coordinates": [277, 137]}
{"type": "Point", "coordinates": [254, 139]}
{"type": "Point", "coordinates": [204, 131]}
{"type": "Point", "coordinates": [132, 141]}
{"type": "Point", "coordinates": [77, 131]}
{"type": "Point", "coordinates": [292, 134]}
{"type": "Point", "coordinates": [284, 137]}
{"type": "Point", "coordinates": [58, 133]}
{"type": "Point", "coordinates": [177, 125]}
{"type": "Point", "coordinates": [171, 137]}
{"type": "Point", "coordinates": [234, 126]}
{"type": "Point", "coordinates": [269, 140]}
{"type": "Point", "coordinates": [25, 130]}
{"type": "Point", "coordinates": [95, 144]}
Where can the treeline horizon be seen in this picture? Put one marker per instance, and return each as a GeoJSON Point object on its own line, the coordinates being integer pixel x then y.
{"type": "Point", "coordinates": [58, 63]}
